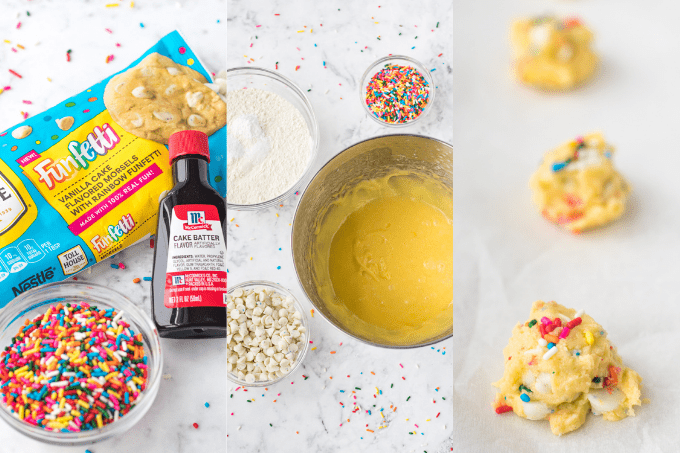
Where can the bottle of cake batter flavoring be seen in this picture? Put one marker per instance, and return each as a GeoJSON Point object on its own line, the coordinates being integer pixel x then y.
{"type": "Point", "coordinates": [189, 269]}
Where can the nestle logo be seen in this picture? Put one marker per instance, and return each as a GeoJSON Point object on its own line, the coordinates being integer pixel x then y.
{"type": "Point", "coordinates": [34, 280]}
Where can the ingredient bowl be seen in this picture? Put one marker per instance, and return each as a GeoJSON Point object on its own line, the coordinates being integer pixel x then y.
{"type": "Point", "coordinates": [373, 158]}
{"type": "Point", "coordinates": [266, 80]}
{"type": "Point", "coordinates": [400, 60]}
{"type": "Point", "coordinates": [302, 352]}
{"type": "Point", "coordinates": [36, 302]}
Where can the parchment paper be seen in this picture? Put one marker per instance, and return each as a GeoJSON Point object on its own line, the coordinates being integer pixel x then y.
{"type": "Point", "coordinates": [627, 276]}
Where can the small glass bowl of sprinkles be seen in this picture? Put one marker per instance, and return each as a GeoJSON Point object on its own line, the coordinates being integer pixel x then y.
{"type": "Point", "coordinates": [79, 363]}
{"type": "Point", "coordinates": [397, 91]}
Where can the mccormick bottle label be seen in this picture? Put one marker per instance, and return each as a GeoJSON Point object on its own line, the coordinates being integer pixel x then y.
{"type": "Point", "coordinates": [196, 273]}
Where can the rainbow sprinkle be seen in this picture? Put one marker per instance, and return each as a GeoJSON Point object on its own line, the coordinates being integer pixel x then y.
{"type": "Point", "coordinates": [48, 381]}
{"type": "Point", "coordinates": [397, 94]}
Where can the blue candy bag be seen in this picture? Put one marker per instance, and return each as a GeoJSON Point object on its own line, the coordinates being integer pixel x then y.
{"type": "Point", "coordinates": [76, 188]}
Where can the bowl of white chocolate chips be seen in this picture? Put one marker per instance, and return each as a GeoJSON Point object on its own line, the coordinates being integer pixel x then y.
{"type": "Point", "coordinates": [267, 333]}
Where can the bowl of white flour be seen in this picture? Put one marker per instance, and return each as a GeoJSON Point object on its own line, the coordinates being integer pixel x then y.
{"type": "Point", "coordinates": [272, 138]}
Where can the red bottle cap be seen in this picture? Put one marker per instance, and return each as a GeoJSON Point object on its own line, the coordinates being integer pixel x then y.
{"type": "Point", "coordinates": [188, 142]}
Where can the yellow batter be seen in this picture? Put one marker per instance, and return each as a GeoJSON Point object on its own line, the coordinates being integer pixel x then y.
{"type": "Point", "coordinates": [585, 372]}
{"type": "Point", "coordinates": [553, 54]}
{"type": "Point", "coordinates": [385, 251]}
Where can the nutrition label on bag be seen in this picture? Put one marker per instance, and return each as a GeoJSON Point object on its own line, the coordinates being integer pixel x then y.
{"type": "Point", "coordinates": [196, 273]}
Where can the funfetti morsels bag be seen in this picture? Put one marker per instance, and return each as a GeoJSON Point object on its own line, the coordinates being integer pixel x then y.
{"type": "Point", "coordinates": [82, 181]}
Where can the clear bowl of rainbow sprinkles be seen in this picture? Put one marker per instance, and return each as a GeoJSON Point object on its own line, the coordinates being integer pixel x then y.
{"type": "Point", "coordinates": [79, 363]}
{"type": "Point", "coordinates": [397, 91]}
{"type": "Point", "coordinates": [272, 138]}
{"type": "Point", "coordinates": [267, 333]}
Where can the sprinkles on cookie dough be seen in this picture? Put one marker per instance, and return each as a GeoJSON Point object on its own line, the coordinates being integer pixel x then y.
{"type": "Point", "coordinates": [577, 145]}
{"type": "Point", "coordinates": [397, 94]}
{"type": "Point", "coordinates": [75, 368]}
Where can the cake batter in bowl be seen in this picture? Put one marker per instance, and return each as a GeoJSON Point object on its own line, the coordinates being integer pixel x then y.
{"type": "Point", "coordinates": [373, 243]}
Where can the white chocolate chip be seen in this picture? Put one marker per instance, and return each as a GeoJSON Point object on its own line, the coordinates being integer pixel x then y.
{"type": "Point", "coordinates": [138, 121]}
{"type": "Point", "coordinates": [219, 87]}
{"type": "Point", "coordinates": [222, 84]}
{"type": "Point", "coordinates": [543, 383]}
{"type": "Point", "coordinates": [173, 71]}
{"type": "Point", "coordinates": [602, 401]}
{"type": "Point", "coordinates": [535, 410]}
{"type": "Point", "coordinates": [163, 116]}
{"type": "Point", "coordinates": [194, 98]}
{"type": "Point", "coordinates": [65, 123]}
{"type": "Point", "coordinates": [539, 35]}
{"type": "Point", "coordinates": [196, 121]}
{"type": "Point", "coordinates": [142, 92]}
{"type": "Point", "coordinates": [171, 89]}
{"type": "Point", "coordinates": [22, 132]}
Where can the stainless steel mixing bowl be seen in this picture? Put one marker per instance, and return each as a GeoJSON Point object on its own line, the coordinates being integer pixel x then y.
{"type": "Point", "coordinates": [372, 158]}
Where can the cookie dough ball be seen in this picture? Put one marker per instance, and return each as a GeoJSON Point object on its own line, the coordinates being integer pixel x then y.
{"type": "Point", "coordinates": [577, 186]}
{"type": "Point", "coordinates": [553, 54]}
{"type": "Point", "coordinates": [559, 365]}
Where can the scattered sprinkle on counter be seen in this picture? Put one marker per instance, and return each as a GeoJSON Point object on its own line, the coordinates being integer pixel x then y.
{"type": "Point", "coordinates": [371, 405]}
{"type": "Point", "coordinates": [75, 368]}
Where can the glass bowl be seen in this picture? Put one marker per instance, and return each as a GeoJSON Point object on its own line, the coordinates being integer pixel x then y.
{"type": "Point", "coordinates": [36, 302]}
{"type": "Point", "coordinates": [266, 80]}
{"type": "Point", "coordinates": [400, 60]}
{"type": "Point", "coordinates": [252, 284]}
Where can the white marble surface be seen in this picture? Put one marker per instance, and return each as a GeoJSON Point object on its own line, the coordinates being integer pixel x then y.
{"type": "Point", "coordinates": [307, 414]}
{"type": "Point", "coordinates": [624, 275]}
{"type": "Point", "coordinates": [196, 369]}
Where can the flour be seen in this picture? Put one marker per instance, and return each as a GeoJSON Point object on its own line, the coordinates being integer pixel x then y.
{"type": "Point", "coordinates": [268, 146]}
